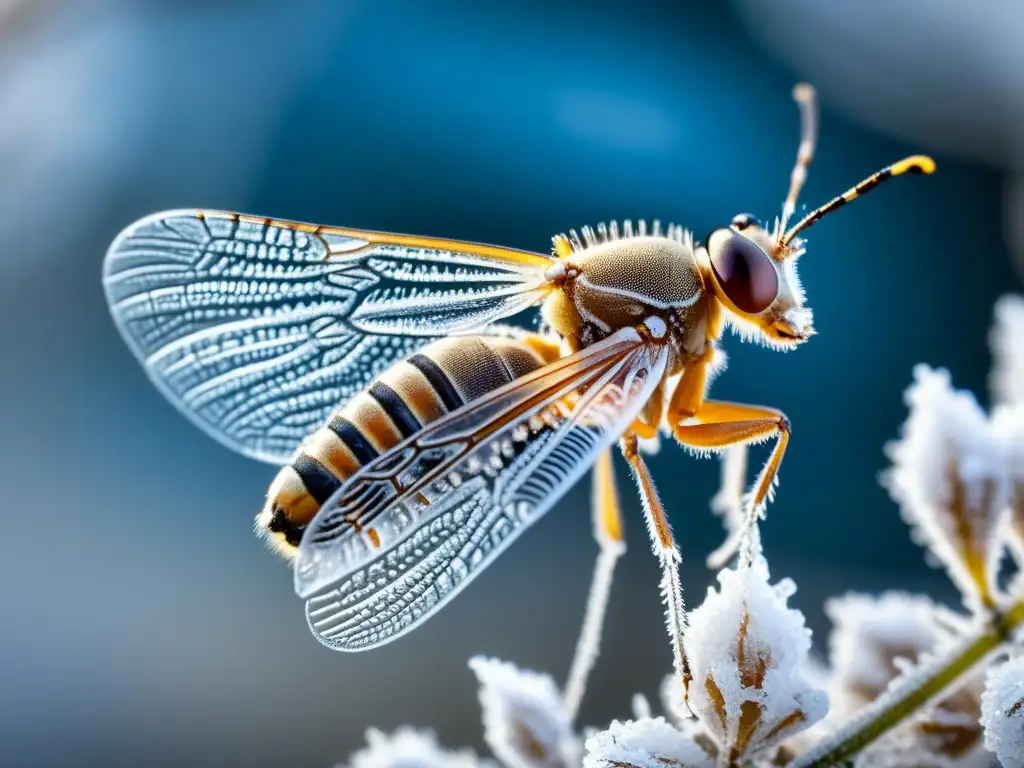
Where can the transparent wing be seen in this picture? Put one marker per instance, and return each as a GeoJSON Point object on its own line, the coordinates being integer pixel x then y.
{"type": "Point", "coordinates": [403, 536]}
{"type": "Point", "coordinates": [258, 329]}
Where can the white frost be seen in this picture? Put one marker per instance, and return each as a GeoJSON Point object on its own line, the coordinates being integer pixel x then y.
{"type": "Point", "coordinates": [525, 722]}
{"type": "Point", "coordinates": [747, 652]}
{"type": "Point", "coordinates": [644, 743]}
{"type": "Point", "coordinates": [870, 636]}
{"type": "Point", "coordinates": [673, 699]}
{"type": "Point", "coordinates": [410, 748]}
{"type": "Point", "coordinates": [948, 476]}
{"type": "Point", "coordinates": [1002, 713]}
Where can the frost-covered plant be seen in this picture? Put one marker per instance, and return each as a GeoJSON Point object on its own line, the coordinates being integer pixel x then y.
{"type": "Point", "coordinates": [909, 683]}
{"type": "Point", "coordinates": [747, 651]}
{"type": "Point", "coordinates": [1002, 710]}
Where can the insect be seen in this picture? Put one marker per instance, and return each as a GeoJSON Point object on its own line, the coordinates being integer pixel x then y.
{"type": "Point", "coordinates": [417, 436]}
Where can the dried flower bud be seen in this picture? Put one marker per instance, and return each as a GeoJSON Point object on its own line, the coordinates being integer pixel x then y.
{"type": "Point", "coordinates": [747, 650]}
{"type": "Point", "coordinates": [952, 728]}
{"type": "Point", "coordinates": [1006, 340]}
{"type": "Point", "coordinates": [410, 748]}
{"type": "Point", "coordinates": [1002, 712]}
{"type": "Point", "coordinates": [645, 743]}
{"type": "Point", "coordinates": [525, 723]}
{"type": "Point", "coordinates": [872, 638]}
{"type": "Point", "coordinates": [873, 641]}
{"type": "Point", "coordinates": [949, 478]}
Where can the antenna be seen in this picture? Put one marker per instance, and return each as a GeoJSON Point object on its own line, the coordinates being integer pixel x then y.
{"type": "Point", "coordinates": [914, 164]}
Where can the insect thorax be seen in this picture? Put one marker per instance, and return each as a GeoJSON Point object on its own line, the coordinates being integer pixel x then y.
{"type": "Point", "coordinates": [615, 283]}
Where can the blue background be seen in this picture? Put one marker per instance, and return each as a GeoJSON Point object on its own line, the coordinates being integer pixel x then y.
{"type": "Point", "coordinates": [141, 620]}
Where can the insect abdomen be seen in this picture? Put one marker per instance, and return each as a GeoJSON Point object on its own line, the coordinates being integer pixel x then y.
{"type": "Point", "coordinates": [407, 396]}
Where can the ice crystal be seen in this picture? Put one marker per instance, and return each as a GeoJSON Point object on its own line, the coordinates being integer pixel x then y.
{"type": "Point", "coordinates": [410, 748]}
{"type": "Point", "coordinates": [525, 722]}
{"type": "Point", "coordinates": [948, 476]}
{"type": "Point", "coordinates": [1002, 712]}
{"type": "Point", "coordinates": [645, 743]}
{"type": "Point", "coordinates": [747, 651]}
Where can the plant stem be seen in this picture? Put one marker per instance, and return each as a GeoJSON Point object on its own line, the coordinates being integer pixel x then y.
{"type": "Point", "coordinates": [914, 691]}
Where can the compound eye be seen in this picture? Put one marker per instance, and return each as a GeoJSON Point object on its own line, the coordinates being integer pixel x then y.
{"type": "Point", "coordinates": [743, 220]}
{"type": "Point", "coordinates": [744, 272]}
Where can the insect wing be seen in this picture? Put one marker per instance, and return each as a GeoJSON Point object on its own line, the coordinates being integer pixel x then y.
{"type": "Point", "coordinates": [411, 530]}
{"type": "Point", "coordinates": [258, 329]}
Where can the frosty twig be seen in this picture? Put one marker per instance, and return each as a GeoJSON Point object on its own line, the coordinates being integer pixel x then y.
{"type": "Point", "coordinates": [914, 691]}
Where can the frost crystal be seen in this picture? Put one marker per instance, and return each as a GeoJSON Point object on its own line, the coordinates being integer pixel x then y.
{"type": "Point", "coordinates": [409, 748]}
{"type": "Point", "coordinates": [525, 723]}
{"type": "Point", "coordinates": [747, 651]}
{"type": "Point", "coordinates": [872, 637]}
{"type": "Point", "coordinates": [1002, 712]}
{"type": "Point", "coordinates": [645, 743]}
{"type": "Point", "coordinates": [948, 477]}
{"type": "Point", "coordinates": [1007, 342]}
{"type": "Point", "coordinates": [673, 699]}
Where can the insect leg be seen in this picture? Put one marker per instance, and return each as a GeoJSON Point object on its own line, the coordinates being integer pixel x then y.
{"type": "Point", "coordinates": [722, 425]}
{"type": "Point", "coordinates": [607, 518]}
{"type": "Point", "coordinates": [646, 424]}
{"type": "Point", "coordinates": [688, 395]}
{"type": "Point", "coordinates": [665, 550]}
{"type": "Point", "coordinates": [728, 502]}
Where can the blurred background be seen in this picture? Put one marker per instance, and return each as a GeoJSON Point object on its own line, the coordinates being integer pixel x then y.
{"type": "Point", "coordinates": [143, 623]}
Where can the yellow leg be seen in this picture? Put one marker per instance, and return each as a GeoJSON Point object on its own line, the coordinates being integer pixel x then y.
{"type": "Point", "coordinates": [665, 550]}
{"type": "Point", "coordinates": [722, 425]}
{"type": "Point", "coordinates": [689, 393]}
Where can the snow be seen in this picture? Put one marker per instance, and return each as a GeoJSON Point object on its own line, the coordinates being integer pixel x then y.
{"type": "Point", "coordinates": [1002, 713]}
{"type": "Point", "coordinates": [869, 635]}
{"type": "Point", "coordinates": [644, 743]}
{"type": "Point", "coordinates": [410, 748]}
{"type": "Point", "coordinates": [747, 651]}
{"type": "Point", "coordinates": [948, 476]}
{"type": "Point", "coordinates": [525, 722]}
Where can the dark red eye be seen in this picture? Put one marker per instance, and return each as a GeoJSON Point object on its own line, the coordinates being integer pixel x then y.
{"type": "Point", "coordinates": [745, 272]}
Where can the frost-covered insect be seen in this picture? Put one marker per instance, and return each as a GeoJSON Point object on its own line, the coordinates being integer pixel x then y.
{"type": "Point", "coordinates": [418, 438]}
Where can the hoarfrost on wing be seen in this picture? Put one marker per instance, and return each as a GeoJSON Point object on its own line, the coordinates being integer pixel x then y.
{"type": "Point", "coordinates": [948, 477]}
{"type": "Point", "coordinates": [644, 743]}
{"type": "Point", "coordinates": [747, 653]}
{"type": "Point", "coordinates": [1002, 712]}
{"type": "Point", "coordinates": [410, 748]}
{"type": "Point", "coordinates": [525, 722]}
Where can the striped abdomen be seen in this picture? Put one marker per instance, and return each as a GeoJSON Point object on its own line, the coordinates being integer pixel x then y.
{"type": "Point", "coordinates": [410, 394]}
